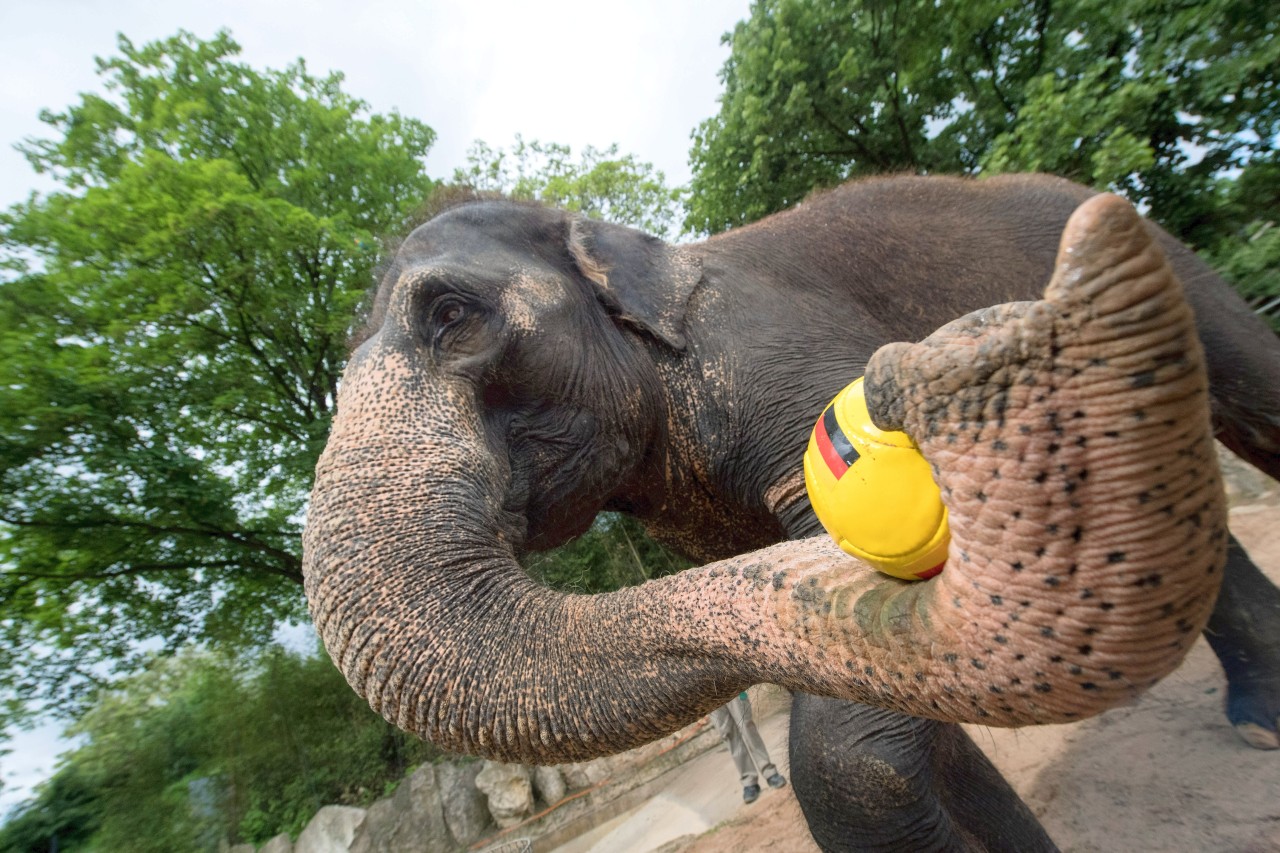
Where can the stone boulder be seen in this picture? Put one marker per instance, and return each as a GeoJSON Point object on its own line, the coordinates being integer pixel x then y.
{"type": "Point", "coordinates": [331, 830]}
{"type": "Point", "coordinates": [509, 791]}
{"type": "Point", "coordinates": [411, 819]}
{"type": "Point", "coordinates": [282, 843]}
{"type": "Point", "coordinates": [588, 773]}
{"type": "Point", "coordinates": [466, 809]}
{"type": "Point", "coordinates": [549, 784]}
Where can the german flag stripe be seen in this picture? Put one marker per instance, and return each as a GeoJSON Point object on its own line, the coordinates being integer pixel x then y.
{"type": "Point", "coordinates": [934, 572]}
{"type": "Point", "coordinates": [837, 451]}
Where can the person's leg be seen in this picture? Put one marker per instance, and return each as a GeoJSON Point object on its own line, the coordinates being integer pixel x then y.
{"type": "Point", "coordinates": [726, 722]}
{"type": "Point", "coordinates": [741, 710]}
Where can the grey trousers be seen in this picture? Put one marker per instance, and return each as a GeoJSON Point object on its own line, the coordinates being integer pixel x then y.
{"type": "Point", "coordinates": [735, 725]}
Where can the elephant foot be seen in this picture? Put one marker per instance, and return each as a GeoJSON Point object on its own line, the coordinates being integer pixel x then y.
{"type": "Point", "coordinates": [1253, 688]}
{"type": "Point", "coordinates": [1244, 632]}
{"type": "Point", "coordinates": [1249, 702]}
{"type": "Point", "coordinates": [1253, 695]}
{"type": "Point", "coordinates": [1253, 684]}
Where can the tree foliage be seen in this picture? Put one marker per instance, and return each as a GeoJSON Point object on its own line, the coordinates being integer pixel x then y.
{"type": "Point", "coordinates": [601, 183]}
{"type": "Point", "coordinates": [172, 328]}
{"type": "Point", "coordinates": [1160, 99]}
{"type": "Point", "coordinates": [813, 93]}
{"type": "Point", "coordinates": [613, 553]}
{"type": "Point", "coordinates": [62, 816]}
{"type": "Point", "coordinates": [203, 748]}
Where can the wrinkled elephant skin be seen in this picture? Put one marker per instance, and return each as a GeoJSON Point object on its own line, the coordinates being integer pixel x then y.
{"type": "Point", "coordinates": [523, 369]}
{"type": "Point", "coordinates": [1067, 590]}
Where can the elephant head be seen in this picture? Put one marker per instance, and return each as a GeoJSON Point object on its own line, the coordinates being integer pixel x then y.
{"type": "Point", "coordinates": [1070, 437]}
{"type": "Point", "coordinates": [493, 300]}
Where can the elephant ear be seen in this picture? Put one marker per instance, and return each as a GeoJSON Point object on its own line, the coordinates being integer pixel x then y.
{"type": "Point", "coordinates": [641, 280]}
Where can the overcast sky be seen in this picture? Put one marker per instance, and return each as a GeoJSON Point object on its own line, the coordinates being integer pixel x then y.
{"type": "Point", "coordinates": [641, 73]}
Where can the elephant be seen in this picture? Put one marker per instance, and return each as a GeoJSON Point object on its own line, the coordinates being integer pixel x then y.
{"type": "Point", "coordinates": [522, 369]}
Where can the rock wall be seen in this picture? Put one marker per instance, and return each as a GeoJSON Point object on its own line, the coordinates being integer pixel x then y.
{"type": "Point", "coordinates": [452, 805]}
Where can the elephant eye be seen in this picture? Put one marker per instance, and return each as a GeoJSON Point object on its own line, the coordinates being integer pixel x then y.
{"type": "Point", "coordinates": [449, 313]}
{"type": "Point", "coordinates": [449, 317]}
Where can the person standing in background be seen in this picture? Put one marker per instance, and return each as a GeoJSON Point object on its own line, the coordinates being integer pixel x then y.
{"type": "Point", "coordinates": [733, 721]}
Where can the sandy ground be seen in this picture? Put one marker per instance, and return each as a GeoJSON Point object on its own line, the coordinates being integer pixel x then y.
{"type": "Point", "coordinates": [1166, 774]}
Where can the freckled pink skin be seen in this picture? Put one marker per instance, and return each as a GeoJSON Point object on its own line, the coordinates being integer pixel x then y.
{"type": "Point", "coordinates": [1072, 441]}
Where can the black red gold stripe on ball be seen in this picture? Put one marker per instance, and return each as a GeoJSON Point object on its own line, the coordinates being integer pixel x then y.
{"type": "Point", "coordinates": [836, 449]}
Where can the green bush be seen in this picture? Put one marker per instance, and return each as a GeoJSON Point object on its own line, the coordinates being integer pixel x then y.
{"type": "Point", "coordinates": [202, 748]}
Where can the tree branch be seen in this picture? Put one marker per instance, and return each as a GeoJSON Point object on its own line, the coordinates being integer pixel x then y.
{"type": "Point", "coordinates": [137, 569]}
{"type": "Point", "coordinates": [178, 530]}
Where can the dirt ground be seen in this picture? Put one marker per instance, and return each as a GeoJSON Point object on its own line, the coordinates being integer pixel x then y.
{"type": "Point", "coordinates": [1165, 774]}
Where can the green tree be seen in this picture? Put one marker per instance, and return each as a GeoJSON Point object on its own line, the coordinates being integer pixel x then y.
{"type": "Point", "coordinates": [1160, 99]}
{"type": "Point", "coordinates": [816, 91]}
{"type": "Point", "coordinates": [1164, 101]}
{"type": "Point", "coordinates": [1250, 254]}
{"type": "Point", "coordinates": [172, 329]}
{"type": "Point", "coordinates": [200, 748]}
{"type": "Point", "coordinates": [63, 815]}
{"type": "Point", "coordinates": [601, 183]}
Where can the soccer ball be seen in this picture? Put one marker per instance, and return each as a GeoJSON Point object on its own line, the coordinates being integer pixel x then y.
{"type": "Point", "coordinates": [873, 491]}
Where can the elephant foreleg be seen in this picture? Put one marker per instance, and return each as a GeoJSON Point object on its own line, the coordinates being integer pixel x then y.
{"type": "Point", "coordinates": [1244, 632]}
{"type": "Point", "coordinates": [874, 780]}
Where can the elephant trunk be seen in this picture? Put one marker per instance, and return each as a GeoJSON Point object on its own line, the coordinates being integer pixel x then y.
{"type": "Point", "coordinates": [1071, 439]}
{"type": "Point", "coordinates": [415, 590]}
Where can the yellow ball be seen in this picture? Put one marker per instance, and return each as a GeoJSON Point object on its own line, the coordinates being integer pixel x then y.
{"type": "Point", "coordinates": [873, 491]}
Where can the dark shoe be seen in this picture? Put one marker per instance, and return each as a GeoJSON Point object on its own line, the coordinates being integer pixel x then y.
{"type": "Point", "coordinates": [751, 793]}
{"type": "Point", "coordinates": [776, 780]}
